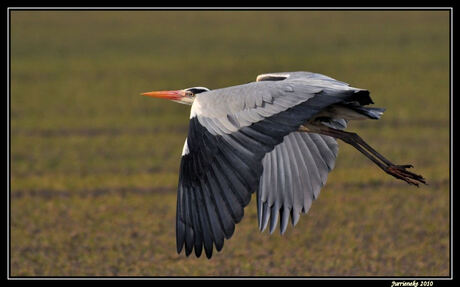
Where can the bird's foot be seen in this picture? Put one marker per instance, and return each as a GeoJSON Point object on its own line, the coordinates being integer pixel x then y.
{"type": "Point", "coordinates": [400, 172]}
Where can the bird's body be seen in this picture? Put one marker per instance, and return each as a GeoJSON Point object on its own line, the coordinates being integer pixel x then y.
{"type": "Point", "coordinates": [275, 136]}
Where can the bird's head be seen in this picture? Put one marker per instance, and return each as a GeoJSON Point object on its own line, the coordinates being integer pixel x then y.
{"type": "Point", "coordinates": [185, 96]}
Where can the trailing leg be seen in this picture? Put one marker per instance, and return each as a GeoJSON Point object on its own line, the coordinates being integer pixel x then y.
{"type": "Point", "coordinates": [398, 171]}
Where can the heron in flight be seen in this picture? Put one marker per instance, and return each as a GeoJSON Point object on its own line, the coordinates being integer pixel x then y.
{"type": "Point", "coordinates": [276, 136]}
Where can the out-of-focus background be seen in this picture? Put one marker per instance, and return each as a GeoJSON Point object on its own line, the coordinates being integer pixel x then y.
{"type": "Point", "coordinates": [94, 166]}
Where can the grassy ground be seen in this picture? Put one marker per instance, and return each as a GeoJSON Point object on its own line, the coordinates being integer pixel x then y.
{"type": "Point", "coordinates": [94, 165]}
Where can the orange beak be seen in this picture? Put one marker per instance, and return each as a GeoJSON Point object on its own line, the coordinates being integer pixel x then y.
{"type": "Point", "coordinates": [170, 95]}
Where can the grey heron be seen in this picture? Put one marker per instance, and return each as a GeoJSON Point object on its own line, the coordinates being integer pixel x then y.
{"type": "Point", "coordinates": [275, 136]}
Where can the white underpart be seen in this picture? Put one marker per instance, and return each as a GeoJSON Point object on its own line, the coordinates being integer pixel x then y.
{"type": "Point", "coordinates": [196, 109]}
{"type": "Point", "coordinates": [185, 149]}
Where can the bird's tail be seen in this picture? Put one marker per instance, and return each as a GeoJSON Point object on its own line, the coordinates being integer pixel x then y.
{"type": "Point", "coordinates": [372, 113]}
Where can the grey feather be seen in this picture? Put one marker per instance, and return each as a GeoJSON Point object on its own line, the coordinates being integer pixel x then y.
{"type": "Point", "coordinates": [335, 123]}
{"type": "Point", "coordinates": [293, 175]}
{"type": "Point", "coordinates": [252, 102]}
{"type": "Point", "coordinates": [319, 161]}
{"type": "Point", "coordinates": [311, 166]}
{"type": "Point", "coordinates": [288, 189]}
{"type": "Point", "coordinates": [284, 218]}
{"type": "Point", "coordinates": [265, 216]}
{"type": "Point", "coordinates": [298, 182]}
{"type": "Point", "coordinates": [324, 151]}
{"type": "Point", "coordinates": [274, 212]}
{"type": "Point", "coordinates": [266, 162]}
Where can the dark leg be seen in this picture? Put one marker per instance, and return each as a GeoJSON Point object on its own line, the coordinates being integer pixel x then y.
{"type": "Point", "coordinates": [374, 152]}
{"type": "Point", "coordinates": [398, 171]}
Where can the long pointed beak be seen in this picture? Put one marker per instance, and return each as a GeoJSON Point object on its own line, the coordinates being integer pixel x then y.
{"type": "Point", "coordinates": [170, 95]}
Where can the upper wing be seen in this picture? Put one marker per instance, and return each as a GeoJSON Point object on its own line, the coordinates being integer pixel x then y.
{"type": "Point", "coordinates": [230, 132]}
{"type": "Point", "coordinates": [227, 110]}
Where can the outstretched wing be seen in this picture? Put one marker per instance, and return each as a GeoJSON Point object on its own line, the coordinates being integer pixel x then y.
{"type": "Point", "coordinates": [231, 131]}
{"type": "Point", "coordinates": [293, 174]}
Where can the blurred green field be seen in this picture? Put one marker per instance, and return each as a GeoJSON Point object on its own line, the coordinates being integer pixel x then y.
{"type": "Point", "coordinates": [94, 166]}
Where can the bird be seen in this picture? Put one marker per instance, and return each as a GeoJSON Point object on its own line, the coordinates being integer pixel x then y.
{"type": "Point", "coordinates": [276, 136]}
